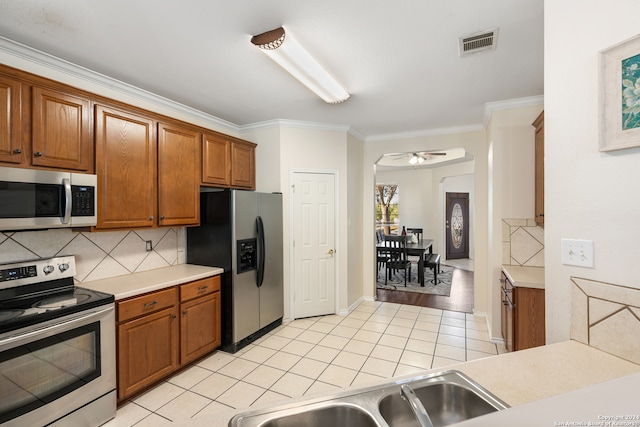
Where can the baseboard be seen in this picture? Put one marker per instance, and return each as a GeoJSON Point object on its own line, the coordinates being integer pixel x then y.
{"type": "Point", "coordinates": [351, 307]}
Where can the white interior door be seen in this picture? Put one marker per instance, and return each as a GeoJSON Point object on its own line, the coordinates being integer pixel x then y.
{"type": "Point", "coordinates": [314, 244]}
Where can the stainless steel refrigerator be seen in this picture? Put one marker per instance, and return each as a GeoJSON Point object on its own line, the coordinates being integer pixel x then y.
{"type": "Point", "coordinates": [241, 232]}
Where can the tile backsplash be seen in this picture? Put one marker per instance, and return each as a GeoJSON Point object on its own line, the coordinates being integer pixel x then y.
{"type": "Point", "coordinates": [607, 317]}
{"type": "Point", "coordinates": [99, 255]}
{"type": "Point", "coordinates": [522, 243]}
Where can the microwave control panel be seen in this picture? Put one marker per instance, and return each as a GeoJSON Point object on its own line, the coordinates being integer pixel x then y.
{"type": "Point", "coordinates": [83, 198]}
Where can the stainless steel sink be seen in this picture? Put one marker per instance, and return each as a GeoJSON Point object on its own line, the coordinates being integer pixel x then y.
{"type": "Point", "coordinates": [333, 415]}
{"type": "Point", "coordinates": [448, 397]}
{"type": "Point", "coordinates": [446, 403]}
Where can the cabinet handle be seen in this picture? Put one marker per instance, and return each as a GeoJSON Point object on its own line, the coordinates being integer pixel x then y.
{"type": "Point", "coordinates": [151, 304]}
{"type": "Point", "coordinates": [202, 288]}
{"type": "Point", "coordinates": [38, 154]}
{"type": "Point", "coordinates": [184, 312]}
{"type": "Point", "coordinates": [173, 316]}
{"type": "Point", "coordinates": [162, 217]}
{"type": "Point", "coordinates": [17, 151]}
{"type": "Point", "coordinates": [151, 218]}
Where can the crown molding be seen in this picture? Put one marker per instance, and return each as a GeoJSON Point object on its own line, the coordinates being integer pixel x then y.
{"type": "Point", "coordinates": [427, 132]}
{"type": "Point", "coordinates": [53, 63]}
{"type": "Point", "coordinates": [298, 124]}
{"type": "Point", "coordinates": [509, 104]}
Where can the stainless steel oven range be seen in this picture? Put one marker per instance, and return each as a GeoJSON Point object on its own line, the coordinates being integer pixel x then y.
{"type": "Point", "coordinates": [57, 347]}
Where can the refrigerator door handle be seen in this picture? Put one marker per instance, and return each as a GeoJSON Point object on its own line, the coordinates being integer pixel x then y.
{"type": "Point", "coordinates": [261, 254]}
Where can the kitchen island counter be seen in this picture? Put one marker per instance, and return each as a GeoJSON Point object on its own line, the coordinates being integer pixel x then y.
{"type": "Point", "coordinates": [540, 378]}
{"type": "Point", "coordinates": [148, 281]}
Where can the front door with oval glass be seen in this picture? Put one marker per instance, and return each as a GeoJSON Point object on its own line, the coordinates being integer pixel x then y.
{"type": "Point", "coordinates": [457, 225]}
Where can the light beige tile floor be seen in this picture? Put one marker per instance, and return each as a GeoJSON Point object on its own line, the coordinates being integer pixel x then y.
{"type": "Point", "coordinates": [377, 340]}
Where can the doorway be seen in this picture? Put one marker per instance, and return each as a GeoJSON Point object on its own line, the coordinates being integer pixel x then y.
{"type": "Point", "coordinates": [457, 225]}
{"type": "Point", "coordinates": [314, 261]}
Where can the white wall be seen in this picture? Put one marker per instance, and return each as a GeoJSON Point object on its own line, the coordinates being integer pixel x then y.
{"type": "Point", "coordinates": [588, 194]}
{"type": "Point", "coordinates": [354, 219]}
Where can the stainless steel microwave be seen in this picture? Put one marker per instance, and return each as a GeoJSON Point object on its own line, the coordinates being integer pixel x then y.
{"type": "Point", "coordinates": [38, 199]}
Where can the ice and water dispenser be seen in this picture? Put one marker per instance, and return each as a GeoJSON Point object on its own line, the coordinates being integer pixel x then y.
{"type": "Point", "coordinates": [247, 255]}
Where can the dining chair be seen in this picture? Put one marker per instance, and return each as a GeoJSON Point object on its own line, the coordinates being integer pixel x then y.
{"type": "Point", "coordinates": [381, 254]}
{"type": "Point", "coordinates": [418, 233]}
{"type": "Point", "coordinates": [395, 248]}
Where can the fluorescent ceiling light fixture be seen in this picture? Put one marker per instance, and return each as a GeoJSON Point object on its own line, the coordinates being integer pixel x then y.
{"type": "Point", "coordinates": [285, 51]}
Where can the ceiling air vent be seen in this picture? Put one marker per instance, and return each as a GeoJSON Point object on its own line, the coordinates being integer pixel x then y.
{"type": "Point", "coordinates": [478, 42]}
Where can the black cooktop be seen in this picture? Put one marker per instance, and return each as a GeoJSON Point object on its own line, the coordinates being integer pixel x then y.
{"type": "Point", "coordinates": [40, 306]}
{"type": "Point", "coordinates": [36, 291]}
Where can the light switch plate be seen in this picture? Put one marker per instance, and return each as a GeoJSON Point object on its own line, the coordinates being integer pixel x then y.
{"type": "Point", "coordinates": [577, 252]}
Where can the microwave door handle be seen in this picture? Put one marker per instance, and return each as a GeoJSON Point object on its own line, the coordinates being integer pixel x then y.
{"type": "Point", "coordinates": [66, 217]}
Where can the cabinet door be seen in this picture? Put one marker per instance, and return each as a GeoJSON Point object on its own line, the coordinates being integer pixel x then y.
{"type": "Point", "coordinates": [61, 130]}
{"type": "Point", "coordinates": [126, 169]}
{"type": "Point", "coordinates": [199, 327]}
{"type": "Point", "coordinates": [530, 318]}
{"type": "Point", "coordinates": [178, 175]}
{"type": "Point", "coordinates": [507, 313]}
{"type": "Point", "coordinates": [216, 161]}
{"type": "Point", "coordinates": [243, 169]}
{"type": "Point", "coordinates": [539, 169]}
{"type": "Point", "coordinates": [10, 121]}
{"type": "Point", "coordinates": [147, 351]}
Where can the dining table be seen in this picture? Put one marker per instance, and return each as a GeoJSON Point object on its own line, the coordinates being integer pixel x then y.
{"type": "Point", "coordinates": [415, 248]}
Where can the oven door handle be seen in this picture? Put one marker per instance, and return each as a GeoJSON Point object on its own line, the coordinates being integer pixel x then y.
{"type": "Point", "coordinates": [53, 329]}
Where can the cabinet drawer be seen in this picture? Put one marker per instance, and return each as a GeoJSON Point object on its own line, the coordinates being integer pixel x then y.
{"type": "Point", "coordinates": [199, 288]}
{"type": "Point", "coordinates": [146, 304]}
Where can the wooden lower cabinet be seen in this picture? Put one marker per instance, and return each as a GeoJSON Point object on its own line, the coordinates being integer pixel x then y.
{"type": "Point", "coordinates": [162, 331]}
{"type": "Point", "coordinates": [147, 351]}
{"type": "Point", "coordinates": [199, 318]}
{"type": "Point", "coordinates": [523, 316]}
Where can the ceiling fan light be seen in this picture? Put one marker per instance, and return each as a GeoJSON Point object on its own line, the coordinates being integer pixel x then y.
{"type": "Point", "coordinates": [414, 159]}
{"type": "Point", "coordinates": [283, 49]}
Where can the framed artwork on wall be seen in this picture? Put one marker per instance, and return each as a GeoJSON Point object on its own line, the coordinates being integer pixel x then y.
{"type": "Point", "coordinates": [619, 115]}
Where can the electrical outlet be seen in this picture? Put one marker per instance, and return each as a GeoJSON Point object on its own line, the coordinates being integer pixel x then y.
{"type": "Point", "coordinates": [149, 244]}
{"type": "Point", "coordinates": [577, 252]}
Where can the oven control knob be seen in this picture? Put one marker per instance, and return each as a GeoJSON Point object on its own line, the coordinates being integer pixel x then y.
{"type": "Point", "coordinates": [63, 267]}
{"type": "Point", "coordinates": [48, 269]}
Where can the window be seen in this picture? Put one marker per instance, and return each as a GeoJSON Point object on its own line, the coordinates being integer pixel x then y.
{"type": "Point", "coordinates": [387, 208]}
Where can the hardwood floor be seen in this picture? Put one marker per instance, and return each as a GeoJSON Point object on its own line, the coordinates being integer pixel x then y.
{"type": "Point", "coordinates": [461, 298]}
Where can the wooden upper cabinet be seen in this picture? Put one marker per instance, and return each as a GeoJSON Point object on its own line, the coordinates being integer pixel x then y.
{"type": "Point", "coordinates": [539, 169]}
{"type": "Point", "coordinates": [178, 175]}
{"type": "Point", "coordinates": [216, 160]}
{"type": "Point", "coordinates": [126, 169]}
{"type": "Point", "coordinates": [61, 130]}
{"type": "Point", "coordinates": [228, 162]}
{"type": "Point", "coordinates": [10, 121]}
{"type": "Point", "coordinates": [243, 165]}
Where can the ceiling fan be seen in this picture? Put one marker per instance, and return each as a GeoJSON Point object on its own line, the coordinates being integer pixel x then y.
{"type": "Point", "coordinates": [416, 157]}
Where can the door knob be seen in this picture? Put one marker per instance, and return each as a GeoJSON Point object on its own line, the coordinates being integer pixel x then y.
{"type": "Point", "coordinates": [330, 251]}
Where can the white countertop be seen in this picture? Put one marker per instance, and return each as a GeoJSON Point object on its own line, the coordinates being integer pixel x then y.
{"type": "Point", "coordinates": [147, 281]}
{"type": "Point", "coordinates": [556, 382]}
{"type": "Point", "coordinates": [525, 277]}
